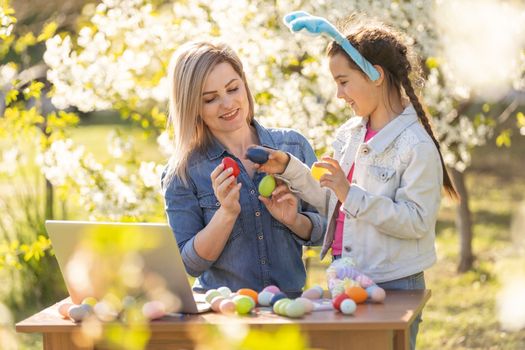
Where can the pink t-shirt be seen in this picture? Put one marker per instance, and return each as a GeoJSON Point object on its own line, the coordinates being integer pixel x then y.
{"type": "Point", "coordinates": [337, 244]}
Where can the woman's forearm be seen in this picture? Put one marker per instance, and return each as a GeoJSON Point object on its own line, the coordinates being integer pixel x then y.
{"type": "Point", "coordinates": [302, 227]}
{"type": "Point", "coordinates": [210, 241]}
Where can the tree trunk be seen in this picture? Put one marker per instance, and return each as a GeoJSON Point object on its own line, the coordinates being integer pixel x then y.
{"type": "Point", "coordinates": [463, 222]}
{"type": "Point", "coordinates": [49, 201]}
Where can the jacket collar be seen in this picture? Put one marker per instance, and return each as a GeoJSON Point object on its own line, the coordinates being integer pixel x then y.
{"type": "Point", "coordinates": [216, 149]}
{"type": "Point", "coordinates": [392, 130]}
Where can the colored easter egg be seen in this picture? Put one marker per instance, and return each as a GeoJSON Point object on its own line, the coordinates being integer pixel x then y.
{"type": "Point", "coordinates": [376, 294]}
{"type": "Point", "coordinates": [153, 309]}
{"type": "Point", "coordinates": [364, 281]}
{"type": "Point", "coordinates": [79, 312]}
{"type": "Point", "coordinates": [227, 307]}
{"type": "Point", "coordinates": [257, 155]}
{"type": "Point", "coordinates": [307, 304]}
{"type": "Point", "coordinates": [89, 301]}
{"type": "Point", "coordinates": [313, 293]}
{"type": "Point", "coordinates": [267, 185]}
{"type": "Point", "coordinates": [231, 163]}
{"type": "Point", "coordinates": [216, 303]}
{"type": "Point", "coordinates": [248, 292]}
{"type": "Point", "coordinates": [357, 294]}
{"type": "Point", "coordinates": [317, 172]}
{"type": "Point", "coordinates": [225, 291]}
{"type": "Point", "coordinates": [276, 297]}
{"type": "Point", "coordinates": [279, 305]}
{"type": "Point", "coordinates": [272, 289]}
{"type": "Point", "coordinates": [105, 311]}
{"type": "Point", "coordinates": [63, 309]}
{"type": "Point", "coordinates": [264, 298]}
{"type": "Point", "coordinates": [128, 302]}
{"type": "Point", "coordinates": [348, 306]}
{"type": "Point", "coordinates": [294, 309]}
{"type": "Point", "coordinates": [243, 304]}
{"type": "Point", "coordinates": [336, 302]}
{"type": "Point", "coordinates": [210, 294]}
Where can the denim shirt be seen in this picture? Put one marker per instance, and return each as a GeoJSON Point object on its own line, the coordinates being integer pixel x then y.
{"type": "Point", "coordinates": [260, 250]}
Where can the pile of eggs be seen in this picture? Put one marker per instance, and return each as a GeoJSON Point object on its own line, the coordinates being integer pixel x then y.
{"type": "Point", "coordinates": [109, 310]}
{"type": "Point", "coordinates": [344, 279]}
{"type": "Point", "coordinates": [244, 301]}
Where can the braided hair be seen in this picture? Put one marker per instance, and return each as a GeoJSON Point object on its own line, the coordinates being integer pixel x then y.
{"type": "Point", "coordinates": [382, 45]}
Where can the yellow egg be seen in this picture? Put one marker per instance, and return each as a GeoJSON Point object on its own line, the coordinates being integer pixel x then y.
{"type": "Point", "coordinates": [317, 172]}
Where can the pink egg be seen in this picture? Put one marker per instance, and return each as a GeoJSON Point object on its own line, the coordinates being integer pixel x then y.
{"type": "Point", "coordinates": [216, 303]}
{"type": "Point", "coordinates": [63, 309]}
{"type": "Point", "coordinates": [307, 304]}
{"type": "Point", "coordinates": [272, 289]}
{"type": "Point", "coordinates": [227, 307]}
{"type": "Point", "coordinates": [312, 294]}
{"type": "Point", "coordinates": [153, 310]}
{"type": "Point", "coordinates": [378, 295]}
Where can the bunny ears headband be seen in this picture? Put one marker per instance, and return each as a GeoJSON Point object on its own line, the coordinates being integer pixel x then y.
{"type": "Point", "coordinates": [300, 20]}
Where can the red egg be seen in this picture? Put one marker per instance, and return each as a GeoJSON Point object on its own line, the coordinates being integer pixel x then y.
{"type": "Point", "coordinates": [230, 163]}
{"type": "Point", "coordinates": [336, 302]}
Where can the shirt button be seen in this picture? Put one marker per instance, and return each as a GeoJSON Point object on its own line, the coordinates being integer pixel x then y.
{"type": "Point", "coordinates": [263, 261]}
{"type": "Point", "coordinates": [365, 150]}
{"type": "Point", "coordinates": [348, 249]}
{"type": "Point", "coordinates": [218, 204]}
{"type": "Point", "coordinates": [252, 191]}
{"type": "Point", "coordinates": [257, 213]}
{"type": "Point", "coordinates": [260, 237]}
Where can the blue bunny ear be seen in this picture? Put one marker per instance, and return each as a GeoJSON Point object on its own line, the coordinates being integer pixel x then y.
{"type": "Point", "coordinates": [303, 21]}
{"type": "Point", "coordinates": [293, 15]}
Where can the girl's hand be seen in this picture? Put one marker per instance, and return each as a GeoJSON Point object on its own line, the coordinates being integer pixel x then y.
{"type": "Point", "coordinates": [276, 164]}
{"type": "Point", "coordinates": [282, 205]}
{"type": "Point", "coordinates": [226, 189]}
{"type": "Point", "coordinates": [336, 180]}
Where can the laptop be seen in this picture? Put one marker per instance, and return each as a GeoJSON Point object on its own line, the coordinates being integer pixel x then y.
{"type": "Point", "coordinates": [136, 259]}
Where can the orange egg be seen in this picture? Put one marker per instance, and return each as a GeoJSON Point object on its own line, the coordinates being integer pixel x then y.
{"type": "Point", "coordinates": [248, 292]}
{"type": "Point", "coordinates": [357, 294]}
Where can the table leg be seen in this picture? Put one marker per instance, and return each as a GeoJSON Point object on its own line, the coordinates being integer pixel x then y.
{"type": "Point", "coordinates": [401, 339]}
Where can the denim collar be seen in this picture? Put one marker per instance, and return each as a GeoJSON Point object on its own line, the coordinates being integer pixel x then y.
{"type": "Point", "coordinates": [216, 149]}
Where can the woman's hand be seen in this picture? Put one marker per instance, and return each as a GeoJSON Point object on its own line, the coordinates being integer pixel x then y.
{"type": "Point", "coordinates": [227, 190]}
{"type": "Point", "coordinates": [276, 164]}
{"type": "Point", "coordinates": [282, 205]}
{"type": "Point", "coordinates": [336, 180]}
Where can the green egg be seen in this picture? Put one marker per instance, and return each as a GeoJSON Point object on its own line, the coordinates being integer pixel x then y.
{"type": "Point", "coordinates": [243, 304]}
{"type": "Point", "coordinates": [280, 305]}
{"type": "Point", "coordinates": [267, 185]}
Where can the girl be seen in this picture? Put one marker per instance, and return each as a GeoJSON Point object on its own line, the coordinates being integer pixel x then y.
{"type": "Point", "coordinates": [383, 190]}
{"type": "Point", "coordinates": [227, 234]}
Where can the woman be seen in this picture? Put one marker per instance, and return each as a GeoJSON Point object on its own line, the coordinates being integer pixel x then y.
{"type": "Point", "coordinates": [228, 235]}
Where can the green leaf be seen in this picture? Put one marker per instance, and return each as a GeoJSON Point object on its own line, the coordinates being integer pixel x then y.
{"type": "Point", "coordinates": [48, 31]}
{"type": "Point", "coordinates": [11, 96]}
{"type": "Point", "coordinates": [520, 118]}
{"type": "Point", "coordinates": [503, 138]}
{"type": "Point", "coordinates": [432, 62]}
{"type": "Point", "coordinates": [33, 90]}
{"type": "Point", "coordinates": [486, 108]}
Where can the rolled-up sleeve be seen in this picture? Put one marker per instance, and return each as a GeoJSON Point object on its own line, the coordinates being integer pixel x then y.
{"type": "Point", "coordinates": [186, 219]}
{"type": "Point", "coordinates": [318, 221]}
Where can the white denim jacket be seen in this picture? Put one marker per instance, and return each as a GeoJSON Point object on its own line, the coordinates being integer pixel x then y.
{"type": "Point", "coordinates": [391, 208]}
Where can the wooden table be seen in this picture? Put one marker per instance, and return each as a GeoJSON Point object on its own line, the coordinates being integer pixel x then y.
{"type": "Point", "coordinates": [373, 326]}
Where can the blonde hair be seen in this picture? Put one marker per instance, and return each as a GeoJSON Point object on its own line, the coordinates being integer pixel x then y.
{"type": "Point", "coordinates": [189, 68]}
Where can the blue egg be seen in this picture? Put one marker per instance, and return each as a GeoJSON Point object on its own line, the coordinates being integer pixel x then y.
{"type": "Point", "coordinates": [257, 155]}
{"type": "Point", "coordinates": [277, 296]}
